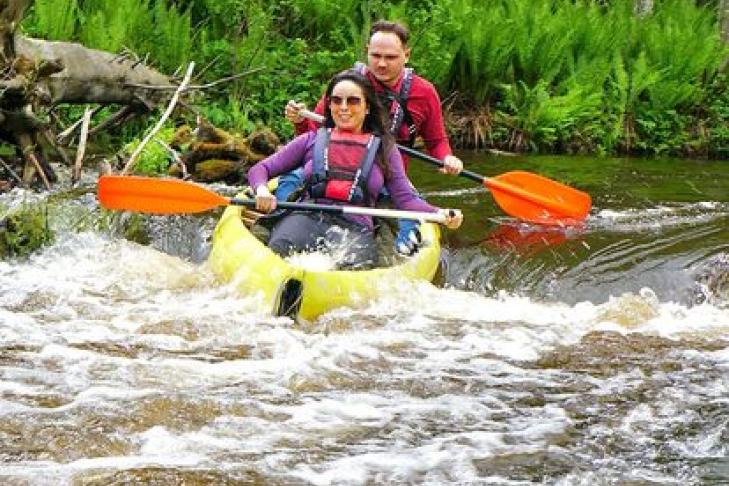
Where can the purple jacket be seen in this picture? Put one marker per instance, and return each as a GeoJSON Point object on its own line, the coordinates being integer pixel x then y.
{"type": "Point", "coordinates": [300, 152]}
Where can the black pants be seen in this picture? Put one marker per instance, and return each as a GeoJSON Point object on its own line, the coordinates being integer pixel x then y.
{"type": "Point", "coordinates": [352, 244]}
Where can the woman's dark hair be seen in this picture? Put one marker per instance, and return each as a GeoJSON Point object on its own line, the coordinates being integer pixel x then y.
{"type": "Point", "coordinates": [376, 120]}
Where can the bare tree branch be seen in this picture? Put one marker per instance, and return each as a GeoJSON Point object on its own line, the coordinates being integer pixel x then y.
{"type": "Point", "coordinates": [11, 171]}
{"type": "Point", "coordinates": [175, 156]}
{"type": "Point", "coordinates": [81, 146]}
{"type": "Point", "coordinates": [61, 138]}
{"type": "Point", "coordinates": [163, 118]}
{"type": "Point", "coordinates": [117, 118]}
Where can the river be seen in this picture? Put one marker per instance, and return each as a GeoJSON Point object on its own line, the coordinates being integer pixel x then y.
{"type": "Point", "coordinates": [591, 356]}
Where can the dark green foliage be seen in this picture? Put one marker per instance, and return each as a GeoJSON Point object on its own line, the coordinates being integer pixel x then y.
{"type": "Point", "coordinates": [153, 27]}
{"type": "Point", "coordinates": [714, 126]}
{"type": "Point", "coordinates": [154, 158]}
{"type": "Point", "coordinates": [551, 75]}
{"type": "Point", "coordinates": [24, 230]}
{"type": "Point", "coordinates": [559, 72]}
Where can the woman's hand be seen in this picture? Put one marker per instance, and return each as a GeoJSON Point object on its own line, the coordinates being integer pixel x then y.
{"type": "Point", "coordinates": [454, 218]}
{"type": "Point", "coordinates": [452, 165]}
{"type": "Point", "coordinates": [265, 201]}
{"type": "Point", "coordinates": [293, 112]}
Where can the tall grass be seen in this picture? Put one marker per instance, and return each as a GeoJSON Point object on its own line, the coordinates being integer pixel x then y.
{"type": "Point", "coordinates": [681, 42]}
{"type": "Point", "coordinates": [484, 52]}
{"type": "Point", "coordinates": [54, 19]}
{"type": "Point", "coordinates": [543, 75]}
{"type": "Point", "coordinates": [529, 59]}
{"type": "Point", "coordinates": [147, 27]}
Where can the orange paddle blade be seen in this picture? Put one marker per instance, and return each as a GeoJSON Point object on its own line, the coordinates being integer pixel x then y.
{"type": "Point", "coordinates": [156, 196]}
{"type": "Point", "coordinates": [537, 199]}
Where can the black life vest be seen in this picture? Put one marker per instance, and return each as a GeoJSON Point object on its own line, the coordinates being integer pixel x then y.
{"type": "Point", "coordinates": [396, 103]}
{"type": "Point", "coordinates": [341, 167]}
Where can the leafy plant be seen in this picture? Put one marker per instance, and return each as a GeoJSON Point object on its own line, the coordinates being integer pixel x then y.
{"type": "Point", "coordinates": [541, 75]}
{"type": "Point", "coordinates": [55, 19]}
{"type": "Point", "coordinates": [155, 158]}
{"type": "Point", "coordinates": [24, 230]}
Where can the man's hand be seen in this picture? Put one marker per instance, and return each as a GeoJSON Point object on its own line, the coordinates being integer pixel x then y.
{"type": "Point", "coordinates": [293, 112]}
{"type": "Point", "coordinates": [452, 165]}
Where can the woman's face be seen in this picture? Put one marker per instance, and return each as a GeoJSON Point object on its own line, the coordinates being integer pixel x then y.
{"type": "Point", "coordinates": [348, 105]}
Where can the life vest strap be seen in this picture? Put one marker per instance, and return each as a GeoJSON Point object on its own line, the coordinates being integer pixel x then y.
{"type": "Point", "coordinates": [396, 103]}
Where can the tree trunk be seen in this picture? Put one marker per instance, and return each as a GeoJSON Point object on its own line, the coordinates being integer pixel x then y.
{"type": "Point", "coordinates": [90, 76]}
{"type": "Point", "coordinates": [11, 12]}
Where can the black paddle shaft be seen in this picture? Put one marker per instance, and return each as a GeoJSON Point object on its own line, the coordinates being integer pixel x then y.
{"type": "Point", "coordinates": [427, 158]}
{"type": "Point", "coordinates": [410, 151]}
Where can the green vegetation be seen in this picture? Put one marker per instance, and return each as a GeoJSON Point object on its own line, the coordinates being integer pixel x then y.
{"type": "Point", "coordinates": [154, 158]}
{"type": "Point", "coordinates": [24, 230]}
{"type": "Point", "coordinates": [585, 76]}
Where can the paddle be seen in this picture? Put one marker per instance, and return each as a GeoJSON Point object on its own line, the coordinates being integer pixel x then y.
{"type": "Point", "coordinates": [523, 195]}
{"type": "Point", "coordinates": [174, 196]}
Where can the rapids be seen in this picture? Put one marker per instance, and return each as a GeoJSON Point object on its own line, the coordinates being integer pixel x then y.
{"type": "Point", "coordinates": [597, 355]}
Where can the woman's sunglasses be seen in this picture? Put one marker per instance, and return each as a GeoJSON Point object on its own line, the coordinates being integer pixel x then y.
{"type": "Point", "coordinates": [348, 100]}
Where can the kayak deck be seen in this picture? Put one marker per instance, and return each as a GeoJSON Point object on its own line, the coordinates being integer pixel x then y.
{"type": "Point", "coordinates": [283, 288]}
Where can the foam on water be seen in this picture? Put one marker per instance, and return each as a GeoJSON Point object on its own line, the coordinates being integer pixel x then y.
{"type": "Point", "coordinates": [313, 261]}
{"type": "Point", "coordinates": [663, 216]}
{"type": "Point", "coordinates": [418, 386]}
{"type": "Point", "coordinates": [93, 287]}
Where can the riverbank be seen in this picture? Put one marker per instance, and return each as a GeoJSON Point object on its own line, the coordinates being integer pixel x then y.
{"type": "Point", "coordinates": [537, 76]}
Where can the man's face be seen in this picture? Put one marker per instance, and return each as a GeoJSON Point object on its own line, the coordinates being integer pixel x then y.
{"type": "Point", "coordinates": [386, 57]}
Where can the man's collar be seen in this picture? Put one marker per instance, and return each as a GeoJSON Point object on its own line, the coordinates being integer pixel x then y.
{"type": "Point", "coordinates": [396, 87]}
{"type": "Point", "coordinates": [398, 83]}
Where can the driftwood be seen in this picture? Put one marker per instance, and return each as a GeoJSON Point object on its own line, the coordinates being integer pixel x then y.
{"type": "Point", "coordinates": [38, 75]}
{"type": "Point", "coordinates": [81, 146]}
{"type": "Point", "coordinates": [175, 157]}
{"type": "Point", "coordinates": [160, 122]}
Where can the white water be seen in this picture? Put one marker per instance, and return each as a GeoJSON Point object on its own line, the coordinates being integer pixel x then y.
{"type": "Point", "coordinates": [151, 363]}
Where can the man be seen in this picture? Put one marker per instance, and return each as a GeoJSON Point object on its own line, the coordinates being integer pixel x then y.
{"type": "Point", "coordinates": [419, 112]}
{"type": "Point", "coordinates": [413, 103]}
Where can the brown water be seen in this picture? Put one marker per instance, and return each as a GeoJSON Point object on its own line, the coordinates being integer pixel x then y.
{"type": "Point", "coordinates": [595, 356]}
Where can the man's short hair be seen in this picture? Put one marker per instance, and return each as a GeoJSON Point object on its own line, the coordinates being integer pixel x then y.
{"type": "Point", "coordinates": [396, 28]}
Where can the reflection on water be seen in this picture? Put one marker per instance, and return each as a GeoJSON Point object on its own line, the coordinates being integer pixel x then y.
{"type": "Point", "coordinates": [658, 228]}
{"type": "Point", "coordinates": [595, 355]}
{"type": "Point", "coordinates": [526, 238]}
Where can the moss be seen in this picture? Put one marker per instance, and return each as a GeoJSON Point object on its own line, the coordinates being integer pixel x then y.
{"type": "Point", "coordinates": [217, 169]}
{"type": "Point", "coordinates": [128, 225]}
{"type": "Point", "coordinates": [135, 229]}
{"type": "Point", "coordinates": [264, 141]}
{"type": "Point", "coordinates": [24, 230]}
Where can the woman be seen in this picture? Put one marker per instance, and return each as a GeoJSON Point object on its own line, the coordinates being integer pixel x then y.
{"type": "Point", "coordinates": [346, 162]}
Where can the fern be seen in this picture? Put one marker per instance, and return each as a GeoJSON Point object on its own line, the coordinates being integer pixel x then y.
{"type": "Point", "coordinates": [55, 19]}
{"type": "Point", "coordinates": [172, 39]}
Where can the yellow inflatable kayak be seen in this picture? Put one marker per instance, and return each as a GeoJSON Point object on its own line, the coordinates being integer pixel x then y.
{"type": "Point", "coordinates": [286, 289]}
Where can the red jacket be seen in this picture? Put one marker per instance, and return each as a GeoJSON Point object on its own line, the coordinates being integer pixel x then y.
{"type": "Point", "coordinates": [424, 106]}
